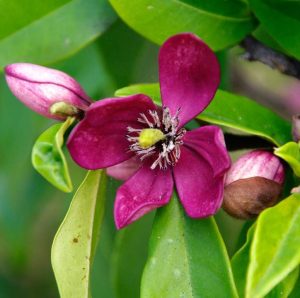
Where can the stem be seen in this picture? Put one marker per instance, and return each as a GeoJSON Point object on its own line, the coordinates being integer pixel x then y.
{"type": "Point", "coordinates": [256, 51]}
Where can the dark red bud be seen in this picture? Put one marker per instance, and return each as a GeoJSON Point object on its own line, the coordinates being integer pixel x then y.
{"type": "Point", "coordinates": [253, 183]}
{"type": "Point", "coordinates": [247, 198]}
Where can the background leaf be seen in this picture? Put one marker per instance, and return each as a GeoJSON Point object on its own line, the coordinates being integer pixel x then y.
{"type": "Point", "coordinates": [219, 23]}
{"type": "Point", "coordinates": [49, 160]}
{"type": "Point", "coordinates": [74, 245]}
{"type": "Point", "coordinates": [233, 111]}
{"type": "Point", "coordinates": [275, 249]}
{"type": "Point", "coordinates": [290, 152]}
{"type": "Point", "coordinates": [281, 19]}
{"type": "Point", "coordinates": [240, 263]}
{"type": "Point", "coordinates": [58, 34]}
{"type": "Point", "coordinates": [129, 257]}
{"type": "Point", "coordinates": [24, 12]}
{"type": "Point", "coordinates": [187, 258]}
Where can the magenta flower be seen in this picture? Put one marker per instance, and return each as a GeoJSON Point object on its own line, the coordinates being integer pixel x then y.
{"type": "Point", "coordinates": [47, 91]}
{"type": "Point", "coordinates": [134, 130]}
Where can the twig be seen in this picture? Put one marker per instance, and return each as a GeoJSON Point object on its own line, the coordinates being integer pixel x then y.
{"type": "Point", "coordinates": [256, 51]}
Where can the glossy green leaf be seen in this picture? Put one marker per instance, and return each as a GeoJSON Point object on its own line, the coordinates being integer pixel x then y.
{"type": "Point", "coordinates": [187, 258]}
{"type": "Point", "coordinates": [129, 257]}
{"type": "Point", "coordinates": [275, 248]}
{"type": "Point", "coordinates": [263, 36]}
{"type": "Point", "coordinates": [284, 288]}
{"type": "Point", "coordinates": [58, 34]}
{"type": "Point", "coordinates": [290, 152]}
{"type": "Point", "coordinates": [48, 158]}
{"type": "Point", "coordinates": [74, 244]}
{"type": "Point", "coordinates": [233, 111]}
{"type": "Point", "coordinates": [296, 290]}
{"type": "Point", "coordinates": [219, 23]}
{"type": "Point", "coordinates": [281, 19]}
{"type": "Point", "coordinates": [240, 263]}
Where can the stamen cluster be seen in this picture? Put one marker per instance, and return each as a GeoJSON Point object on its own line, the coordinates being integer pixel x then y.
{"type": "Point", "coordinates": [166, 151]}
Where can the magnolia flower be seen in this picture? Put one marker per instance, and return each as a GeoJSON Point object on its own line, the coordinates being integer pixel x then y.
{"type": "Point", "coordinates": [47, 91]}
{"type": "Point", "coordinates": [133, 129]}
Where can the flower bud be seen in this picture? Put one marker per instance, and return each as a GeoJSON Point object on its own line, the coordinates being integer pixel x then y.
{"type": "Point", "coordinates": [253, 183]}
{"type": "Point", "coordinates": [40, 88]}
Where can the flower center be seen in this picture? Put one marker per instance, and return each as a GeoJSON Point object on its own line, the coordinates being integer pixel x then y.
{"type": "Point", "coordinates": [150, 136]}
{"type": "Point", "coordinates": [160, 139]}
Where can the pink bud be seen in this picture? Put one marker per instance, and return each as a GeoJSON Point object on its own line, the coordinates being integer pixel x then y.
{"type": "Point", "coordinates": [253, 183]}
{"type": "Point", "coordinates": [41, 88]}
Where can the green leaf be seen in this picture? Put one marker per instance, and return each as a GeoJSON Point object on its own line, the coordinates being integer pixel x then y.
{"type": "Point", "coordinates": [263, 36]}
{"type": "Point", "coordinates": [58, 34]}
{"type": "Point", "coordinates": [187, 258]}
{"type": "Point", "coordinates": [284, 289]}
{"type": "Point", "coordinates": [16, 14]}
{"type": "Point", "coordinates": [290, 152]}
{"type": "Point", "coordinates": [48, 158]}
{"type": "Point", "coordinates": [74, 244]}
{"type": "Point", "coordinates": [296, 290]}
{"type": "Point", "coordinates": [275, 248]}
{"type": "Point", "coordinates": [240, 263]}
{"type": "Point", "coordinates": [219, 23]}
{"type": "Point", "coordinates": [129, 257]}
{"type": "Point", "coordinates": [281, 19]}
{"type": "Point", "coordinates": [233, 111]}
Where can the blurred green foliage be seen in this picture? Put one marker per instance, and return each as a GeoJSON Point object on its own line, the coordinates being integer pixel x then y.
{"type": "Point", "coordinates": [86, 39]}
{"type": "Point", "coordinates": [30, 208]}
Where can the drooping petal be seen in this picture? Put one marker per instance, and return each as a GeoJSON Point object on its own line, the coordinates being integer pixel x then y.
{"type": "Point", "coordinates": [146, 190]}
{"type": "Point", "coordinates": [189, 75]}
{"type": "Point", "coordinates": [99, 140]}
{"type": "Point", "coordinates": [199, 190]}
{"type": "Point", "coordinates": [209, 142]}
{"type": "Point", "coordinates": [40, 87]}
{"type": "Point", "coordinates": [123, 171]}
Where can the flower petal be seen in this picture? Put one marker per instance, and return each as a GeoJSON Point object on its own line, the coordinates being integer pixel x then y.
{"type": "Point", "coordinates": [209, 142]}
{"type": "Point", "coordinates": [40, 87]}
{"type": "Point", "coordinates": [99, 140]}
{"type": "Point", "coordinates": [146, 190]}
{"type": "Point", "coordinates": [123, 171]}
{"type": "Point", "coordinates": [189, 75]}
{"type": "Point", "coordinates": [199, 190]}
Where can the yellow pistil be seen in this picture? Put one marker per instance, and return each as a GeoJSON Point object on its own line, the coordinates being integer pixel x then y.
{"type": "Point", "coordinates": [150, 136]}
{"type": "Point", "coordinates": [63, 109]}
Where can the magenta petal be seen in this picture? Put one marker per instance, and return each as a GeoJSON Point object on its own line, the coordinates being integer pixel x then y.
{"type": "Point", "coordinates": [123, 171]}
{"type": "Point", "coordinates": [99, 140]}
{"type": "Point", "coordinates": [40, 87]}
{"type": "Point", "coordinates": [200, 192]}
{"type": "Point", "coordinates": [209, 142]}
{"type": "Point", "coordinates": [189, 75]}
{"type": "Point", "coordinates": [146, 190]}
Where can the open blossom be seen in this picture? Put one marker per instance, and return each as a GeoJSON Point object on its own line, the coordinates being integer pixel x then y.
{"type": "Point", "coordinates": [47, 91]}
{"type": "Point", "coordinates": [152, 140]}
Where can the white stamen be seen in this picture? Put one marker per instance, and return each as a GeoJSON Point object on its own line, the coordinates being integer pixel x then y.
{"type": "Point", "coordinates": [166, 150]}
